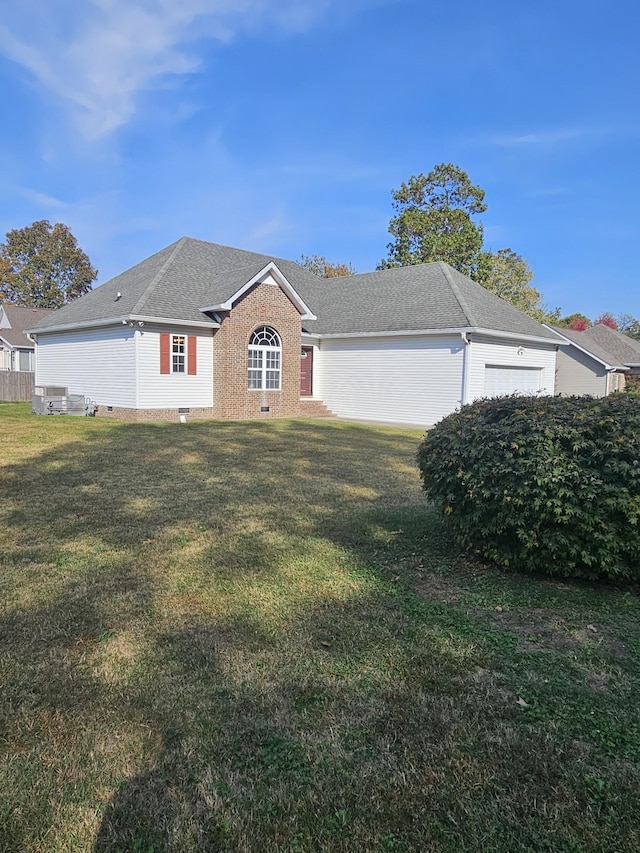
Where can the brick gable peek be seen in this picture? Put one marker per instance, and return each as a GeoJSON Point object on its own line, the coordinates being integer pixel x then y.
{"type": "Point", "coordinates": [263, 305]}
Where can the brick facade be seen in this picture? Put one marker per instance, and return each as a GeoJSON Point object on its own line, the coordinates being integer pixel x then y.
{"type": "Point", "coordinates": [149, 415]}
{"type": "Point", "coordinates": [263, 305]}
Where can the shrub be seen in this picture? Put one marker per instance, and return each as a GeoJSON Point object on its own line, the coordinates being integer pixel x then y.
{"type": "Point", "coordinates": [632, 386]}
{"type": "Point", "coordinates": [544, 484]}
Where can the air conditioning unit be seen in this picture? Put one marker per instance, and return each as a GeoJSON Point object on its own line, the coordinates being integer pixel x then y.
{"type": "Point", "coordinates": [48, 400]}
{"type": "Point", "coordinates": [55, 400]}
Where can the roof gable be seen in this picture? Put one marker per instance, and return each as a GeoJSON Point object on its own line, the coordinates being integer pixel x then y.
{"type": "Point", "coordinates": [243, 280]}
{"type": "Point", "coordinates": [178, 284]}
{"type": "Point", "coordinates": [590, 348]}
{"type": "Point", "coordinates": [190, 277]}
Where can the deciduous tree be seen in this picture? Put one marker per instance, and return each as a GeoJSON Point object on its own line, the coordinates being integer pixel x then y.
{"type": "Point", "coordinates": [42, 265]}
{"type": "Point", "coordinates": [508, 275]}
{"type": "Point", "coordinates": [436, 220]}
{"type": "Point", "coordinates": [576, 322]}
{"type": "Point", "coordinates": [629, 325]}
{"type": "Point", "coordinates": [320, 266]}
{"type": "Point", "coordinates": [607, 319]}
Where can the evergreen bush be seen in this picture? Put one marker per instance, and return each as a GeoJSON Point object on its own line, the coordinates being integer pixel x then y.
{"type": "Point", "coordinates": [543, 484]}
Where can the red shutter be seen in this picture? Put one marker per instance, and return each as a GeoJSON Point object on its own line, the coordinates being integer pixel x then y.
{"type": "Point", "coordinates": [192, 361]}
{"type": "Point", "coordinates": [165, 354]}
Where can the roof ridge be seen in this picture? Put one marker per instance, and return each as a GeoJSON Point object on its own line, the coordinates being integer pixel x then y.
{"type": "Point", "coordinates": [188, 239]}
{"type": "Point", "coordinates": [456, 292]}
{"type": "Point", "coordinates": [158, 276]}
{"type": "Point", "coordinates": [616, 332]}
{"type": "Point", "coordinates": [590, 347]}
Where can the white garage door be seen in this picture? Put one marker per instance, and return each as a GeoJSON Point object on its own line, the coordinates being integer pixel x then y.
{"type": "Point", "coordinates": [499, 380]}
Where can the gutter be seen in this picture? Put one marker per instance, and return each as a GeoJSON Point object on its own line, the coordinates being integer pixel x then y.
{"type": "Point", "coordinates": [134, 319]}
{"type": "Point", "coordinates": [457, 331]}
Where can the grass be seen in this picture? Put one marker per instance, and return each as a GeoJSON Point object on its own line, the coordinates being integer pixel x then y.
{"type": "Point", "coordinates": [256, 636]}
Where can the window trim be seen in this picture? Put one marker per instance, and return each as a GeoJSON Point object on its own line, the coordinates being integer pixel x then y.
{"type": "Point", "coordinates": [178, 354]}
{"type": "Point", "coordinates": [264, 360]}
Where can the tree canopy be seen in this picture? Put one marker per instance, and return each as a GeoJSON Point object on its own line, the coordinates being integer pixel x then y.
{"type": "Point", "coordinates": [577, 322]}
{"type": "Point", "coordinates": [625, 323]}
{"type": "Point", "coordinates": [607, 319]}
{"type": "Point", "coordinates": [508, 275]}
{"type": "Point", "coordinates": [320, 266]}
{"type": "Point", "coordinates": [436, 220]}
{"type": "Point", "coordinates": [629, 325]}
{"type": "Point", "coordinates": [433, 220]}
{"type": "Point", "coordinates": [41, 265]}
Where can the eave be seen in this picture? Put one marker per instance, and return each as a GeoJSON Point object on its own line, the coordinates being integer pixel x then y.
{"type": "Point", "coordinates": [459, 331]}
{"type": "Point", "coordinates": [125, 320]}
{"type": "Point", "coordinates": [8, 345]}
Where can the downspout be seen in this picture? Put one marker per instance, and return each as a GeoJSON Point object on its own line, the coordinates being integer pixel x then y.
{"type": "Point", "coordinates": [34, 340]}
{"type": "Point", "coordinates": [466, 365]}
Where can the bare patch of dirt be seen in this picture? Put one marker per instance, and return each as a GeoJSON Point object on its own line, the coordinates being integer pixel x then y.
{"type": "Point", "coordinates": [540, 630]}
{"type": "Point", "coordinates": [599, 681]}
{"type": "Point", "coordinates": [436, 588]}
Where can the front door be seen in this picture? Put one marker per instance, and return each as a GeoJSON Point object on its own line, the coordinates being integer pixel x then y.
{"type": "Point", "coordinates": [306, 372]}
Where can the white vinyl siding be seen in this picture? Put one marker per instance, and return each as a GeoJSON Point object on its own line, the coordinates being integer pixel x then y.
{"type": "Point", "coordinates": [167, 391]}
{"type": "Point", "coordinates": [396, 379]}
{"type": "Point", "coordinates": [484, 353]}
{"type": "Point", "coordinates": [99, 363]}
{"type": "Point", "coordinates": [120, 366]}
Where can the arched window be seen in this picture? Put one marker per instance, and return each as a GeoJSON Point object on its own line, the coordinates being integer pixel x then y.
{"type": "Point", "coordinates": [265, 353]}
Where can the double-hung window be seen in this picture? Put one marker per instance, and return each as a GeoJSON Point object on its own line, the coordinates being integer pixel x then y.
{"type": "Point", "coordinates": [265, 357]}
{"type": "Point", "coordinates": [177, 353]}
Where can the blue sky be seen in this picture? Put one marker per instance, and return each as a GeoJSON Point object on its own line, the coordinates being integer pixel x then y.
{"type": "Point", "coordinates": [281, 126]}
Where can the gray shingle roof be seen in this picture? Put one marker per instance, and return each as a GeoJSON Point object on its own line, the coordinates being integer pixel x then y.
{"type": "Point", "coordinates": [174, 283]}
{"type": "Point", "coordinates": [425, 296]}
{"type": "Point", "coordinates": [598, 352]}
{"type": "Point", "coordinates": [623, 349]}
{"type": "Point", "coordinates": [189, 275]}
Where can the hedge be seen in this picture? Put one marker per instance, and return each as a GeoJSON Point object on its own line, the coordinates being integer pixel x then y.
{"type": "Point", "coordinates": [542, 484]}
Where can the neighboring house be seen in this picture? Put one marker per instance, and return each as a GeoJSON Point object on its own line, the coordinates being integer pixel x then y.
{"type": "Point", "coordinates": [623, 348]}
{"type": "Point", "coordinates": [208, 331]}
{"type": "Point", "coordinates": [16, 348]}
{"type": "Point", "coordinates": [596, 361]}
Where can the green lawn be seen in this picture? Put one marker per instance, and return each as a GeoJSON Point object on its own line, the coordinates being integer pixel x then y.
{"type": "Point", "coordinates": [255, 636]}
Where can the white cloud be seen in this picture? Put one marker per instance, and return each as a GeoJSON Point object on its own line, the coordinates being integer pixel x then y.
{"type": "Point", "coordinates": [545, 137]}
{"type": "Point", "coordinates": [96, 56]}
{"type": "Point", "coordinates": [43, 200]}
